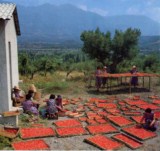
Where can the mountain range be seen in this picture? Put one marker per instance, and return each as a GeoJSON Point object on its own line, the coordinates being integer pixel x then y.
{"type": "Point", "coordinates": [63, 24]}
{"type": "Point", "coordinates": [55, 24]}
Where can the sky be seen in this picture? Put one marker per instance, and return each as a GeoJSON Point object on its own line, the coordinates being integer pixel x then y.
{"type": "Point", "coordinates": [150, 8]}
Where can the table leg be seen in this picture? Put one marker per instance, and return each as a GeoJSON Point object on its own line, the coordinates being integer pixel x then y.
{"type": "Point", "coordinates": [130, 86]}
{"type": "Point", "coordinates": [149, 83]}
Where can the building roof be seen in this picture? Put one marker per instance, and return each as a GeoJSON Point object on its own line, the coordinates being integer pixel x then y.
{"type": "Point", "coordinates": [7, 10]}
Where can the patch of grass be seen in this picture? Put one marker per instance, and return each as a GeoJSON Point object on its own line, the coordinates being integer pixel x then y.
{"type": "Point", "coordinates": [54, 86]}
{"type": "Point", "coordinates": [55, 83]}
{"type": "Point", "coordinates": [4, 143]}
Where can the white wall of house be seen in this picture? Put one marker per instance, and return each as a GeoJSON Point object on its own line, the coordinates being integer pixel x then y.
{"type": "Point", "coordinates": [11, 37]}
{"type": "Point", "coordinates": [8, 62]}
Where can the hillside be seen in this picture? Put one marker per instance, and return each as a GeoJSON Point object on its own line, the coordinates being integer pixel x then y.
{"type": "Point", "coordinates": [59, 24]}
{"type": "Point", "coordinates": [150, 43]}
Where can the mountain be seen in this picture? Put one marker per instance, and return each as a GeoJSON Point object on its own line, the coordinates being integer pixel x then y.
{"type": "Point", "coordinates": [50, 23]}
{"type": "Point", "coordinates": [58, 24]}
{"type": "Point", "coordinates": [151, 43]}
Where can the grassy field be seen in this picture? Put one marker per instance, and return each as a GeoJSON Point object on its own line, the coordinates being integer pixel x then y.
{"type": "Point", "coordinates": [76, 84]}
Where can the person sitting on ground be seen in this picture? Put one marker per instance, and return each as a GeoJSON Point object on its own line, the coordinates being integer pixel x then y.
{"type": "Point", "coordinates": [59, 103]}
{"type": "Point", "coordinates": [36, 95]}
{"type": "Point", "coordinates": [28, 106]}
{"type": "Point", "coordinates": [134, 79]}
{"type": "Point", "coordinates": [33, 88]}
{"type": "Point", "coordinates": [51, 109]}
{"type": "Point", "coordinates": [18, 96]}
{"type": "Point", "coordinates": [150, 120]}
{"type": "Point", "coordinates": [31, 92]}
{"type": "Point", "coordinates": [98, 78]}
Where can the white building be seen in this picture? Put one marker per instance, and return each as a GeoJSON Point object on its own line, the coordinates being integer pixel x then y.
{"type": "Point", "coordinates": [9, 30]}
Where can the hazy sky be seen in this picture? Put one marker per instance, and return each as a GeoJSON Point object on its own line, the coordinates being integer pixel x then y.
{"type": "Point", "coordinates": [150, 8]}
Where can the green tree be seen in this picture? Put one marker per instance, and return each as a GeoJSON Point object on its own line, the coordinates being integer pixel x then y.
{"type": "Point", "coordinates": [45, 65]}
{"type": "Point", "coordinates": [96, 44]}
{"type": "Point", "coordinates": [151, 63]}
{"type": "Point", "coordinates": [101, 47]}
{"type": "Point", "coordinates": [124, 46]}
{"type": "Point", "coordinates": [23, 63]}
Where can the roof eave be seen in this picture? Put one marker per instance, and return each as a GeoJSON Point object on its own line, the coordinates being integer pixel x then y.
{"type": "Point", "coordinates": [16, 20]}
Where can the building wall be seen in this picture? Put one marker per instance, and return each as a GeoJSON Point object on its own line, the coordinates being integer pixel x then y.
{"type": "Point", "coordinates": [11, 37]}
{"type": "Point", "coordinates": [8, 63]}
{"type": "Point", "coordinates": [3, 71]}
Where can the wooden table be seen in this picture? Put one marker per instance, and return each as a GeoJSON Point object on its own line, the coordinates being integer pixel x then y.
{"type": "Point", "coordinates": [128, 75]}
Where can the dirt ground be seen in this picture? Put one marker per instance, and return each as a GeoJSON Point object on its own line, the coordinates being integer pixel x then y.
{"type": "Point", "coordinates": [77, 142]}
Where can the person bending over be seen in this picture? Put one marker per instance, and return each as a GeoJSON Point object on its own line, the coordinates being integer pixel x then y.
{"type": "Point", "coordinates": [150, 122]}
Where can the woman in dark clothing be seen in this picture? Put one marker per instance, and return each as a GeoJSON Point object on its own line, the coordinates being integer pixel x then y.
{"type": "Point", "coordinates": [150, 121]}
{"type": "Point", "coordinates": [134, 79]}
{"type": "Point", "coordinates": [98, 78]}
{"type": "Point", "coordinates": [29, 106]}
{"type": "Point", "coordinates": [52, 107]}
{"type": "Point", "coordinates": [104, 79]}
{"type": "Point", "coordinates": [59, 103]}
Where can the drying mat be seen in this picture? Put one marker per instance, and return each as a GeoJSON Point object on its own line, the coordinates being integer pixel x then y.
{"type": "Point", "coordinates": [139, 133]}
{"type": "Point", "coordinates": [133, 108]}
{"type": "Point", "coordinates": [153, 97]}
{"type": "Point", "coordinates": [132, 113]}
{"type": "Point", "coordinates": [157, 102]}
{"type": "Point", "coordinates": [82, 119]}
{"type": "Point", "coordinates": [107, 105]}
{"type": "Point", "coordinates": [103, 142]}
{"type": "Point", "coordinates": [101, 121]}
{"type": "Point", "coordinates": [103, 113]}
{"type": "Point", "coordinates": [91, 122]}
{"type": "Point", "coordinates": [128, 141]}
{"type": "Point", "coordinates": [70, 131]}
{"type": "Point", "coordinates": [157, 114]}
{"type": "Point", "coordinates": [151, 106]}
{"type": "Point", "coordinates": [134, 102]}
{"type": "Point", "coordinates": [8, 133]}
{"type": "Point", "coordinates": [30, 145]}
{"type": "Point", "coordinates": [68, 123]}
{"type": "Point", "coordinates": [93, 108]}
{"type": "Point", "coordinates": [34, 132]}
{"type": "Point", "coordinates": [136, 97]}
{"type": "Point", "coordinates": [12, 130]}
{"type": "Point", "coordinates": [124, 108]}
{"type": "Point", "coordinates": [137, 119]}
{"type": "Point", "coordinates": [101, 128]}
{"type": "Point", "coordinates": [120, 121]}
{"type": "Point", "coordinates": [121, 103]}
{"type": "Point", "coordinates": [114, 111]}
{"type": "Point", "coordinates": [91, 113]}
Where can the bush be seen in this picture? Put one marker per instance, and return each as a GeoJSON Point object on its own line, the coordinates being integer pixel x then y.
{"type": "Point", "coordinates": [4, 142]}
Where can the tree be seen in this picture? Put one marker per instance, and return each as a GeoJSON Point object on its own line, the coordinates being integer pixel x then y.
{"type": "Point", "coordinates": [151, 63]}
{"type": "Point", "coordinates": [124, 46]}
{"type": "Point", "coordinates": [96, 44]}
{"type": "Point", "coordinates": [100, 46]}
{"type": "Point", "coordinates": [23, 63]}
{"type": "Point", "coordinates": [45, 65]}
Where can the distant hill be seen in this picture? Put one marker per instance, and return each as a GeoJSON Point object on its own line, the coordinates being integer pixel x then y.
{"type": "Point", "coordinates": [150, 43]}
{"type": "Point", "coordinates": [62, 24]}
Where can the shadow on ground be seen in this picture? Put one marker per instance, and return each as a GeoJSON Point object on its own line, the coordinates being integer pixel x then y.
{"type": "Point", "coordinates": [113, 91]}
